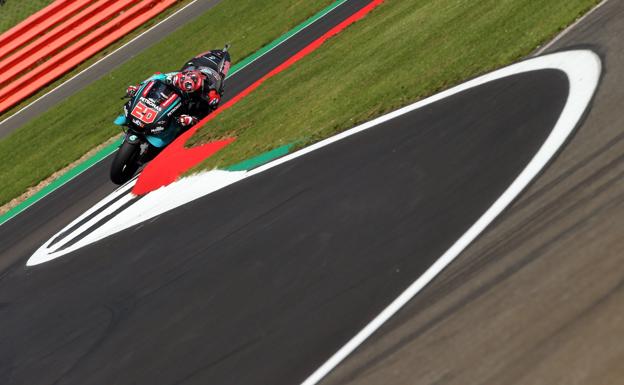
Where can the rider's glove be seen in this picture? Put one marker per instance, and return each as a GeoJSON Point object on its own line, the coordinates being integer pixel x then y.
{"type": "Point", "coordinates": [214, 99]}
{"type": "Point", "coordinates": [187, 120]}
{"type": "Point", "coordinates": [131, 91]}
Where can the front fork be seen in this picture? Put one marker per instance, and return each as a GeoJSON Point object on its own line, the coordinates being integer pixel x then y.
{"type": "Point", "coordinates": [135, 139]}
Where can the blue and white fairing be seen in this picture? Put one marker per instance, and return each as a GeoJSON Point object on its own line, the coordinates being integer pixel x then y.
{"type": "Point", "coordinates": [152, 111]}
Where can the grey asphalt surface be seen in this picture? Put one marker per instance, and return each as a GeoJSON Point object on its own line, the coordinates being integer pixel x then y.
{"type": "Point", "coordinates": [539, 298]}
{"type": "Point", "coordinates": [259, 283]}
{"type": "Point", "coordinates": [103, 67]}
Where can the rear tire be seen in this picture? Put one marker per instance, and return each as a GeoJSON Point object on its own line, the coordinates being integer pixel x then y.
{"type": "Point", "coordinates": [125, 163]}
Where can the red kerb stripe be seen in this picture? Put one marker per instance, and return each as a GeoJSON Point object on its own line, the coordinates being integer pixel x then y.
{"type": "Point", "coordinates": [176, 159]}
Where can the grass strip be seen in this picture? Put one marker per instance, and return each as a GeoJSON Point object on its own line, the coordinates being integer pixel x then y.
{"type": "Point", "coordinates": [65, 132]}
{"type": "Point", "coordinates": [12, 12]}
{"type": "Point", "coordinates": [253, 57]}
{"type": "Point", "coordinates": [402, 52]}
{"type": "Point", "coordinates": [259, 160]}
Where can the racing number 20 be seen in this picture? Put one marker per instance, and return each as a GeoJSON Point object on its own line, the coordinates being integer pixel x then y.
{"type": "Point", "coordinates": [143, 112]}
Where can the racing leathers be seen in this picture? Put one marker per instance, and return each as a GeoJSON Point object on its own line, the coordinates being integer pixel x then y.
{"type": "Point", "coordinates": [201, 82]}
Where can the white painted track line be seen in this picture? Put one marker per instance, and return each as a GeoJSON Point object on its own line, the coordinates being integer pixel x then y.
{"type": "Point", "coordinates": [583, 69]}
{"type": "Point", "coordinates": [570, 28]}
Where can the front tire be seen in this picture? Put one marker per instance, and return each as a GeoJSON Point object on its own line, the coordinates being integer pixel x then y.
{"type": "Point", "coordinates": [125, 163]}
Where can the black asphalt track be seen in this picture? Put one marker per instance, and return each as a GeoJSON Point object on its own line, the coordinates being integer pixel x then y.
{"type": "Point", "coordinates": [105, 66]}
{"type": "Point", "coordinates": [259, 283]}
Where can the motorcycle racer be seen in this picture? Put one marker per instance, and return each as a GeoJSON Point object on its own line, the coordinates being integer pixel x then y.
{"type": "Point", "coordinates": [201, 81]}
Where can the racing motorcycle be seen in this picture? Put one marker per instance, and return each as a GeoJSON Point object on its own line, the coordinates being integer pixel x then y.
{"type": "Point", "coordinates": [150, 123]}
{"type": "Point", "coordinates": [150, 119]}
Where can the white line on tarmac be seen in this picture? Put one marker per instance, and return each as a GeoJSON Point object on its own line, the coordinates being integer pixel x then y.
{"type": "Point", "coordinates": [583, 69]}
{"type": "Point", "coordinates": [570, 28]}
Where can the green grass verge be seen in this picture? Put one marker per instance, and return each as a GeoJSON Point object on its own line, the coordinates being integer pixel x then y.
{"type": "Point", "coordinates": [65, 132]}
{"type": "Point", "coordinates": [402, 52]}
{"type": "Point", "coordinates": [14, 11]}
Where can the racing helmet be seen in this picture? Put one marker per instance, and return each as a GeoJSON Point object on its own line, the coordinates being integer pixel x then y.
{"type": "Point", "coordinates": [189, 81]}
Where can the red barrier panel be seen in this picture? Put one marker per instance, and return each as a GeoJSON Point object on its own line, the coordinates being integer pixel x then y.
{"type": "Point", "coordinates": [33, 20]}
{"type": "Point", "coordinates": [60, 37]}
{"type": "Point", "coordinates": [27, 33]}
{"type": "Point", "coordinates": [84, 49]}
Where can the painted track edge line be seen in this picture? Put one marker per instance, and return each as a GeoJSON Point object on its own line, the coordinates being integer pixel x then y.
{"type": "Point", "coordinates": [579, 99]}
{"type": "Point", "coordinates": [12, 213]}
{"type": "Point", "coordinates": [567, 30]}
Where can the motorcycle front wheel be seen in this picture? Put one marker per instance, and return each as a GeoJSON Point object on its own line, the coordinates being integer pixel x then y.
{"type": "Point", "coordinates": [125, 163]}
